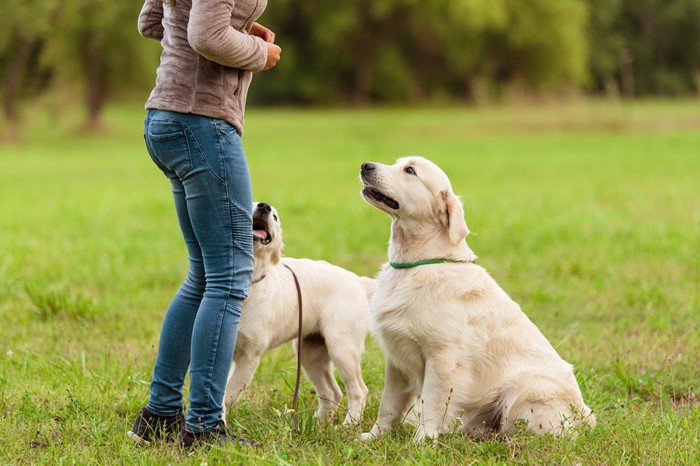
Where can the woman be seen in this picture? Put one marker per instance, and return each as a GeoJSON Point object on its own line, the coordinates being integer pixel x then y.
{"type": "Point", "coordinates": [193, 134]}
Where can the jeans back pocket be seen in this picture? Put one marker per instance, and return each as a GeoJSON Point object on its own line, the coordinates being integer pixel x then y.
{"type": "Point", "coordinates": [168, 146]}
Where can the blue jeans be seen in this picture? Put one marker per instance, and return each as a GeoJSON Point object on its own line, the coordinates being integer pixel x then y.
{"type": "Point", "coordinates": [204, 160]}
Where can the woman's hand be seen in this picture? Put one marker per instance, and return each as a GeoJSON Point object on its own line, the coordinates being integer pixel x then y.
{"type": "Point", "coordinates": [264, 33]}
{"type": "Point", "coordinates": [273, 51]}
{"type": "Point", "coordinates": [273, 55]}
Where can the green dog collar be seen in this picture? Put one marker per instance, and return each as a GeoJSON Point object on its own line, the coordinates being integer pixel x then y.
{"type": "Point", "coordinates": [408, 265]}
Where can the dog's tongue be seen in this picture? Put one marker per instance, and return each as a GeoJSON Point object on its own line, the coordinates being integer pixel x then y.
{"type": "Point", "coordinates": [260, 234]}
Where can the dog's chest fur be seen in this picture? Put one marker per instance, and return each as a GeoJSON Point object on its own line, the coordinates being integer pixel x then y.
{"type": "Point", "coordinates": [407, 324]}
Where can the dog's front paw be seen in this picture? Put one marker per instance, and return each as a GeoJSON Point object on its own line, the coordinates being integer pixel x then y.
{"type": "Point", "coordinates": [374, 433]}
{"type": "Point", "coordinates": [422, 436]}
{"type": "Point", "coordinates": [324, 416]}
{"type": "Point", "coordinates": [367, 436]}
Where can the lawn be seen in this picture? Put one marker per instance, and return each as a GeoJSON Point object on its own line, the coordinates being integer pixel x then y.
{"type": "Point", "coordinates": [586, 213]}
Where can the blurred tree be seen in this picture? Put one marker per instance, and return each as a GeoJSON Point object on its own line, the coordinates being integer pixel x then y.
{"type": "Point", "coordinates": [662, 46]}
{"type": "Point", "coordinates": [24, 26]}
{"type": "Point", "coordinates": [479, 48]}
{"type": "Point", "coordinates": [607, 44]}
{"type": "Point", "coordinates": [398, 50]}
{"type": "Point", "coordinates": [98, 51]}
{"type": "Point", "coordinates": [645, 47]}
{"type": "Point", "coordinates": [372, 50]}
{"type": "Point", "coordinates": [331, 50]}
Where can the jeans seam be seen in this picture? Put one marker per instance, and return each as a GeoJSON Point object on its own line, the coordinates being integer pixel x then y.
{"type": "Point", "coordinates": [230, 200]}
{"type": "Point", "coordinates": [229, 203]}
{"type": "Point", "coordinates": [200, 152]}
{"type": "Point", "coordinates": [222, 314]}
{"type": "Point", "coordinates": [222, 165]}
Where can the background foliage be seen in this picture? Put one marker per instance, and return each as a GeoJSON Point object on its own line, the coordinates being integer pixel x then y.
{"type": "Point", "coordinates": [368, 51]}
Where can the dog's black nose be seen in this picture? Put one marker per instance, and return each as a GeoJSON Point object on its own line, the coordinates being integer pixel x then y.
{"type": "Point", "coordinates": [368, 167]}
{"type": "Point", "coordinates": [264, 207]}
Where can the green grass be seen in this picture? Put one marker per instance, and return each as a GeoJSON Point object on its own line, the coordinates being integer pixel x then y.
{"type": "Point", "coordinates": [588, 214]}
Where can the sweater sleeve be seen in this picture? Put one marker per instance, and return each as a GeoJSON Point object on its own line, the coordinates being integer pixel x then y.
{"type": "Point", "coordinates": [210, 34]}
{"type": "Point", "coordinates": [149, 24]}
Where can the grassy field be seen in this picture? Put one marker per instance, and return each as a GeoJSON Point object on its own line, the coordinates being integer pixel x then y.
{"type": "Point", "coordinates": [588, 215]}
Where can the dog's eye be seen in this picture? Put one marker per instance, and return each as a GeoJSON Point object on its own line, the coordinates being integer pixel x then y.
{"type": "Point", "coordinates": [409, 170]}
{"type": "Point", "coordinates": [274, 216]}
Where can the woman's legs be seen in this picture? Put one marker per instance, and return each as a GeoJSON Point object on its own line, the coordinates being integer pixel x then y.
{"type": "Point", "coordinates": [173, 357]}
{"type": "Point", "coordinates": [204, 159]}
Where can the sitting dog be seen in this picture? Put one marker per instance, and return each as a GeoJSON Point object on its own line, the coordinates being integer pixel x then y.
{"type": "Point", "coordinates": [456, 346]}
{"type": "Point", "coordinates": [335, 320]}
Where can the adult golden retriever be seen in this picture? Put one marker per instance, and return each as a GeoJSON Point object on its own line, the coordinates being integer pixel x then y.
{"type": "Point", "coordinates": [335, 320]}
{"type": "Point", "coordinates": [457, 348]}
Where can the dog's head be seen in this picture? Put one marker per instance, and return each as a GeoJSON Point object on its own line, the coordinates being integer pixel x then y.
{"type": "Point", "coordinates": [416, 190]}
{"type": "Point", "coordinates": [267, 234]}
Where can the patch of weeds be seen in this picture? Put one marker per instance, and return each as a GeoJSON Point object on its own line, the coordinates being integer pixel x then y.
{"type": "Point", "coordinates": [518, 444]}
{"type": "Point", "coordinates": [62, 304]}
{"type": "Point", "coordinates": [684, 400]}
{"type": "Point", "coordinates": [636, 385]}
{"type": "Point", "coordinates": [662, 385]}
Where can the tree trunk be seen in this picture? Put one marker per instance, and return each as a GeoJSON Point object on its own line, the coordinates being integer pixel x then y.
{"type": "Point", "coordinates": [94, 84]}
{"type": "Point", "coordinates": [364, 53]}
{"type": "Point", "coordinates": [627, 74]}
{"type": "Point", "coordinates": [13, 82]}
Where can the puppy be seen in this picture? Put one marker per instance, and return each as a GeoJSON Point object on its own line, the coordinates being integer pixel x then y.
{"type": "Point", "coordinates": [453, 339]}
{"type": "Point", "coordinates": [335, 320]}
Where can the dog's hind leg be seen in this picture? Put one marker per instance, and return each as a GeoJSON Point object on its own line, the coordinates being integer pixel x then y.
{"type": "Point", "coordinates": [347, 359]}
{"type": "Point", "coordinates": [318, 368]}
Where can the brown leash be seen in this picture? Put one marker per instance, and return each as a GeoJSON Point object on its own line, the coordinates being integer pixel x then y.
{"type": "Point", "coordinates": [293, 421]}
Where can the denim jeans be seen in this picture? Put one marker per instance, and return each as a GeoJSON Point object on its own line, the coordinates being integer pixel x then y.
{"type": "Point", "coordinates": [204, 161]}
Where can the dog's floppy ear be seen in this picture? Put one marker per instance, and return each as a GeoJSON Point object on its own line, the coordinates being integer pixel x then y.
{"type": "Point", "coordinates": [451, 216]}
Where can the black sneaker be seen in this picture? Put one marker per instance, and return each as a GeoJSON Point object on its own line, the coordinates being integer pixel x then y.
{"type": "Point", "coordinates": [216, 436]}
{"type": "Point", "coordinates": [149, 427]}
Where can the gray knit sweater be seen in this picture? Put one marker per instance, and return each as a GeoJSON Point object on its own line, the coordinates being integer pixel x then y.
{"type": "Point", "coordinates": [208, 58]}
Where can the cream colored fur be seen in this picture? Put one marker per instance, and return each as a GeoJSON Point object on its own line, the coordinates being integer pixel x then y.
{"type": "Point", "coordinates": [335, 319]}
{"type": "Point", "coordinates": [458, 350]}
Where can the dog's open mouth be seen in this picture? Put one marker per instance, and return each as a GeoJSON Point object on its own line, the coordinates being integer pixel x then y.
{"type": "Point", "coordinates": [260, 232]}
{"type": "Point", "coordinates": [374, 193]}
